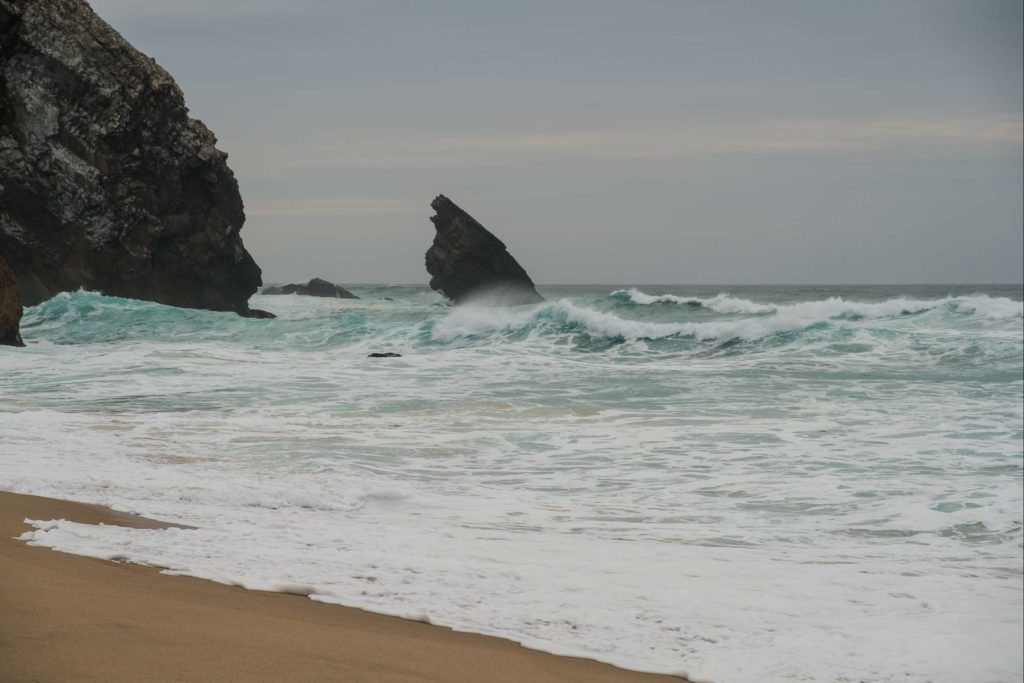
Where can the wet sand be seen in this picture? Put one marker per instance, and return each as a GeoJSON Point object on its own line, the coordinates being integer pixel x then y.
{"type": "Point", "coordinates": [65, 617]}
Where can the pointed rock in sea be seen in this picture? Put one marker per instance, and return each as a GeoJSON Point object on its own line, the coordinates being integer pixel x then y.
{"type": "Point", "coordinates": [467, 262]}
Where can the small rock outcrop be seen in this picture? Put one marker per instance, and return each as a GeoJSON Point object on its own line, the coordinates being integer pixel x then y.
{"type": "Point", "coordinates": [466, 261]}
{"type": "Point", "coordinates": [315, 287]}
{"type": "Point", "coordinates": [10, 308]}
{"type": "Point", "coordinates": [106, 183]}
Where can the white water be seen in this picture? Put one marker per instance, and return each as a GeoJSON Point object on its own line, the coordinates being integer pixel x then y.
{"type": "Point", "coordinates": [837, 497]}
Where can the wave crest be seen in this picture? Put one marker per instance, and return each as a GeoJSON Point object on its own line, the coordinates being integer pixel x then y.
{"type": "Point", "coordinates": [993, 308]}
{"type": "Point", "coordinates": [565, 317]}
{"type": "Point", "coordinates": [87, 317]}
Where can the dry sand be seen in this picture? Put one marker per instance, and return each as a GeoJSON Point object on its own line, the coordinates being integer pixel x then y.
{"type": "Point", "coordinates": [70, 618]}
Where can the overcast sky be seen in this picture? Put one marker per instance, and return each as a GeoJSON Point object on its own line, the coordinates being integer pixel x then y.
{"type": "Point", "coordinates": [614, 142]}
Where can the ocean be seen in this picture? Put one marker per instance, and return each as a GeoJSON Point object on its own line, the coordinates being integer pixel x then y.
{"type": "Point", "coordinates": [730, 483]}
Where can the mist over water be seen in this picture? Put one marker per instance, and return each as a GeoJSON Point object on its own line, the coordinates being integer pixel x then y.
{"type": "Point", "coordinates": [738, 484]}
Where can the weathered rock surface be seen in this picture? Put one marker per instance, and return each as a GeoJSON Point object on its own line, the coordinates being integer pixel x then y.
{"type": "Point", "coordinates": [467, 261]}
{"type": "Point", "coordinates": [105, 182]}
{"type": "Point", "coordinates": [315, 287]}
{"type": "Point", "coordinates": [10, 307]}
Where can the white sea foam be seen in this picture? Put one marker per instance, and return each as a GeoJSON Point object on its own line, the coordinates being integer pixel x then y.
{"type": "Point", "coordinates": [722, 303]}
{"type": "Point", "coordinates": [996, 308]}
{"type": "Point", "coordinates": [844, 504]}
{"type": "Point", "coordinates": [759, 320]}
{"type": "Point", "coordinates": [471, 321]}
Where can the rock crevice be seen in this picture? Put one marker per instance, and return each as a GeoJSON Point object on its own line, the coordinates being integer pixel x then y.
{"type": "Point", "coordinates": [10, 308]}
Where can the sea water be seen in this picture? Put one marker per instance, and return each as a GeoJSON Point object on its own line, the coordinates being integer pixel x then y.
{"type": "Point", "coordinates": [736, 484]}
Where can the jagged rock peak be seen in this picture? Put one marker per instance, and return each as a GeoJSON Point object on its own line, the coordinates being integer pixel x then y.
{"type": "Point", "coordinates": [315, 287]}
{"type": "Point", "coordinates": [10, 307]}
{"type": "Point", "coordinates": [467, 262]}
{"type": "Point", "coordinates": [105, 182]}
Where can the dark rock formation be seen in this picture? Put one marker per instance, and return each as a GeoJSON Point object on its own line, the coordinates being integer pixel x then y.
{"type": "Point", "coordinates": [10, 307]}
{"type": "Point", "coordinates": [466, 261]}
{"type": "Point", "coordinates": [315, 287]}
{"type": "Point", "coordinates": [105, 182]}
{"type": "Point", "coordinates": [257, 313]}
{"type": "Point", "coordinates": [387, 354]}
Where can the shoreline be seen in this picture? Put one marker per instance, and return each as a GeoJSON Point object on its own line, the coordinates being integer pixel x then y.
{"type": "Point", "coordinates": [71, 617]}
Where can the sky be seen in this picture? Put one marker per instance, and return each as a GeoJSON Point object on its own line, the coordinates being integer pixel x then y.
{"type": "Point", "coordinates": [637, 141]}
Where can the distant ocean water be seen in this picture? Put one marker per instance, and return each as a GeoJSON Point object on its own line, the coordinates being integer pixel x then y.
{"type": "Point", "coordinates": [733, 483]}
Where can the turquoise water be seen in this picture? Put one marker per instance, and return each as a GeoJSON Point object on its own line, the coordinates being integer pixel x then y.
{"type": "Point", "coordinates": [737, 483]}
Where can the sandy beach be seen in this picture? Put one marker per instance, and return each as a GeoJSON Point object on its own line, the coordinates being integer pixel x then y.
{"type": "Point", "coordinates": [65, 617]}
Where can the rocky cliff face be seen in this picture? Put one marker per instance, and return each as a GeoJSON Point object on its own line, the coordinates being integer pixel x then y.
{"type": "Point", "coordinates": [105, 182]}
{"type": "Point", "coordinates": [10, 307]}
{"type": "Point", "coordinates": [467, 261]}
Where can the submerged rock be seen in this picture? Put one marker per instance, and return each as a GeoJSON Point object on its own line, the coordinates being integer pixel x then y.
{"type": "Point", "coordinates": [106, 183]}
{"type": "Point", "coordinates": [386, 354]}
{"type": "Point", "coordinates": [10, 307]}
{"type": "Point", "coordinates": [315, 287]}
{"type": "Point", "coordinates": [257, 313]}
{"type": "Point", "coordinates": [467, 261]}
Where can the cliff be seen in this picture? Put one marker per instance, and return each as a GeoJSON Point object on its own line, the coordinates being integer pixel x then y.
{"type": "Point", "coordinates": [105, 182]}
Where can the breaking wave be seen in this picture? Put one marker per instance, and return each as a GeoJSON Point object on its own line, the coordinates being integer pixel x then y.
{"type": "Point", "coordinates": [634, 316]}
{"type": "Point", "coordinates": [748, 321]}
{"type": "Point", "coordinates": [983, 306]}
{"type": "Point", "coordinates": [567, 318]}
